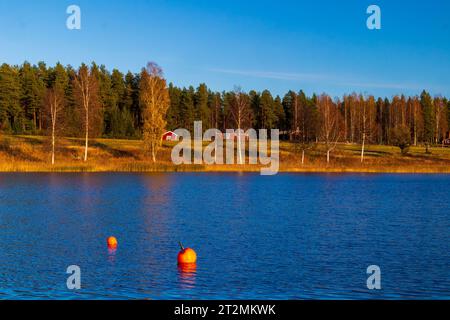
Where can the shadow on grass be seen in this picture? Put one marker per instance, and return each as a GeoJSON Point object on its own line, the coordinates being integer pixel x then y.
{"type": "Point", "coordinates": [32, 141]}
{"type": "Point", "coordinates": [114, 152]}
{"type": "Point", "coordinates": [6, 148]}
{"type": "Point", "coordinates": [429, 157]}
{"type": "Point", "coordinates": [377, 154]}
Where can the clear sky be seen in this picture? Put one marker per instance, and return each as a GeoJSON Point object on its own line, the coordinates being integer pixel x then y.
{"type": "Point", "coordinates": [315, 45]}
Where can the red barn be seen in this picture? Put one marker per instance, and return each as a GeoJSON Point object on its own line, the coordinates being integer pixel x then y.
{"type": "Point", "coordinates": [446, 142]}
{"type": "Point", "coordinates": [170, 136]}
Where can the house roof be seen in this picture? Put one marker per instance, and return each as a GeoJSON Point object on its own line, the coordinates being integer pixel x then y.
{"type": "Point", "coordinates": [169, 132]}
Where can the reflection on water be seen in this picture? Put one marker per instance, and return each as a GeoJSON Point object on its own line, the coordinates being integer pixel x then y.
{"type": "Point", "coordinates": [283, 237]}
{"type": "Point", "coordinates": [187, 273]}
{"type": "Point", "coordinates": [112, 255]}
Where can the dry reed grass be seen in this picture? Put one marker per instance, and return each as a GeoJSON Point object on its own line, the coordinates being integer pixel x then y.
{"type": "Point", "coordinates": [31, 154]}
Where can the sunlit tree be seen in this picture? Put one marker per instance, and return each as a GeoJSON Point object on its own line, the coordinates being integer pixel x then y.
{"type": "Point", "coordinates": [155, 100]}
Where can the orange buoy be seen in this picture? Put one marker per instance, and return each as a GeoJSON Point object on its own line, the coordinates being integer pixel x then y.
{"type": "Point", "coordinates": [186, 255]}
{"type": "Point", "coordinates": [112, 242]}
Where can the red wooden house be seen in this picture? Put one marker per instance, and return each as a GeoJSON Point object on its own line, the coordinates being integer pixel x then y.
{"type": "Point", "coordinates": [170, 136]}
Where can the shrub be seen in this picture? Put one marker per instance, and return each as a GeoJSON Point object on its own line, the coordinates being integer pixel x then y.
{"type": "Point", "coordinates": [401, 137]}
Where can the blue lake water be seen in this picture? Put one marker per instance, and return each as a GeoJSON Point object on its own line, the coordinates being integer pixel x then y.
{"type": "Point", "coordinates": [290, 236]}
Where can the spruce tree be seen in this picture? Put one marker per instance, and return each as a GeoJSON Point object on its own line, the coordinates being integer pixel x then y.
{"type": "Point", "coordinates": [173, 113]}
{"type": "Point", "coordinates": [428, 116]}
{"type": "Point", "coordinates": [289, 101]}
{"type": "Point", "coordinates": [11, 114]}
{"type": "Point", "coordinates": [279, 114]}
{"type": "Point", "coordinates": [266, 113]}
{"type": "Point", "coordinates": [201, 106]}
{"type": "Point", "coordinates": [32, 94]}
{"type": "Point", "coordinates": [187, 110]}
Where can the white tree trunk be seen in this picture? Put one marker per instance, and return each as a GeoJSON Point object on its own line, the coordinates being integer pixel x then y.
{"type": "Point", "coordinates": [303, 157]}
{"type": "Point", "coordinates": [328, 156]}
{"type": "Point", "coordinates": [53, 143]}
{"type": "Point", "coordinates": [362, 147]}
{"type": "Point", "coordinates": [415, 133]}
{"type": "Point", "coordinates": [239, 145]}
{"type": "Point", "coordinates": [53, 111]}
{"type": "Point", "coordinates": [87, 136]}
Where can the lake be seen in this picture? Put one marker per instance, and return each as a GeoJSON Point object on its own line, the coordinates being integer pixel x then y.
{"type": "Point", "coordinates": [290, 236]}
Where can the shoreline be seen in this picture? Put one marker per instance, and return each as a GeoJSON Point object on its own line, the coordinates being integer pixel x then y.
{"type": "Point", "coordinates": [30, 154]}
{"type": "Point", "coordinates": [233, 169]}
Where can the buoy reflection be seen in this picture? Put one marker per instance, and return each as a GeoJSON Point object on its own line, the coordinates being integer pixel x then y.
{"type": "Point", "coordinates": [187, 273]}
{"type": "Point", "coordinates": [112, 255]}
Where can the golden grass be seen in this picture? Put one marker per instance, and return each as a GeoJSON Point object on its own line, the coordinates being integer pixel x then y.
{"type": "Point", "coordinates": [32, 154]}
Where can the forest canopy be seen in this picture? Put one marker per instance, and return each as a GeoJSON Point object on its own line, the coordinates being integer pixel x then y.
{"type": "Point", "coordinates": [354, 118]}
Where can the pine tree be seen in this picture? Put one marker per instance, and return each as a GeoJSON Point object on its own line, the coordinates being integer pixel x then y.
{"type": "Point", "coordinates": [72, 114]}
{"type": "Point", "coordinates": [386, 121]}
{"type": "Point", "coordinates": [379, 120]}
{"type": "Point", "coordinates": [312, 116]}
{"type": "Point", "coordinates": [131, 101]}
{"type": "Point", "coordinates": [279, 114]}
{"type": "Point", "coordinates": [32, 94]}
{"type": "Point", "coordinates": [289, 105]}
{"type": "Point", "coordinates": [448, 119]}
{"type": "Point", "coordinates": [201, 106]}
{"type": "Point", "coordinates": [58, 77]}
{"type": "Point", "coordinates": [114, 94]}
{"type": "Point", "coordinates": [173, 113]}
{"type": "Point", "coordinates": [187, 110]}
{"type": "Point", "coordinates": [215, 105]}
{"type": "Point", "coordinates": [42, 83]}
{"type": "Point", "coordinates": [255, 99]}
{"type": "Point", "coordinates": [428, 117]}
{"type": "Point", "coordinates": [11, 114]}
{"type": "Point", "coordinates": [266, 113]}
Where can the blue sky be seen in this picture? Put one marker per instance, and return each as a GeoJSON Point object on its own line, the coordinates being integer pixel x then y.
{"type": "Point", "coordinates": [318, 46]}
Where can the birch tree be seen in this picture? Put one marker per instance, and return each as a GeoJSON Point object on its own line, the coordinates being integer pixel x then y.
{"type": "Point", "coordinates": [155, 101]}
{"type": "Point", "coordinates": [216, 108]}
{"type": "Point", "coordinates": [86, 86]}
{"type": "Point", "coordinates": [54, 100]}
{"type": "Point", "coordinates": [417, 121]}
{"type": "Point", "coordinates": [240, 112]}
{"type": "Point", "coordinates": [304, 121]}
{"type": "Point", "coordinates": [329, 123]}
{"type": "Point", "coordinates": [367, 121]}
{"type": "Point", "coordinates": [439, 114]}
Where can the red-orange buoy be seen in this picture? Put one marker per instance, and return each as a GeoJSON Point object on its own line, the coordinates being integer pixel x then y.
{"type": "Point", "coordinates": [186, 255]}
{"type": "Point", "coordinates": [112, 242]}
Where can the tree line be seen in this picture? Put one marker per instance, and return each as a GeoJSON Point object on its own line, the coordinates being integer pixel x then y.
{"type": "Point", "coordinates": [87, 102]}
{"type": "Point", "coordinates": [96, 102]}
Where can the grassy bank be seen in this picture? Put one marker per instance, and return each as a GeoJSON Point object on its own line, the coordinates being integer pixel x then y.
{"type": "Point", "coordinates": [32, 154]}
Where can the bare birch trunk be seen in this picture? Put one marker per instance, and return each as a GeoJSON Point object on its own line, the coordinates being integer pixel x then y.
{"type": "Point", "coordinates": [239, 146]}
{"type": "Point", "coordinates": [362, 148]}
{"type": "Point", "coordinates": [239, 138]}
{"type": "Point", "coordinates": [54, 107]}
{"type": "Point", "coordinates": [415, 124]}
{"type": "Point", "coordinates": [53, 143]}
{"type": "Point", "coordinates": [87, 136]}
{"type": "Point", "coordinates": [154, 154]}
